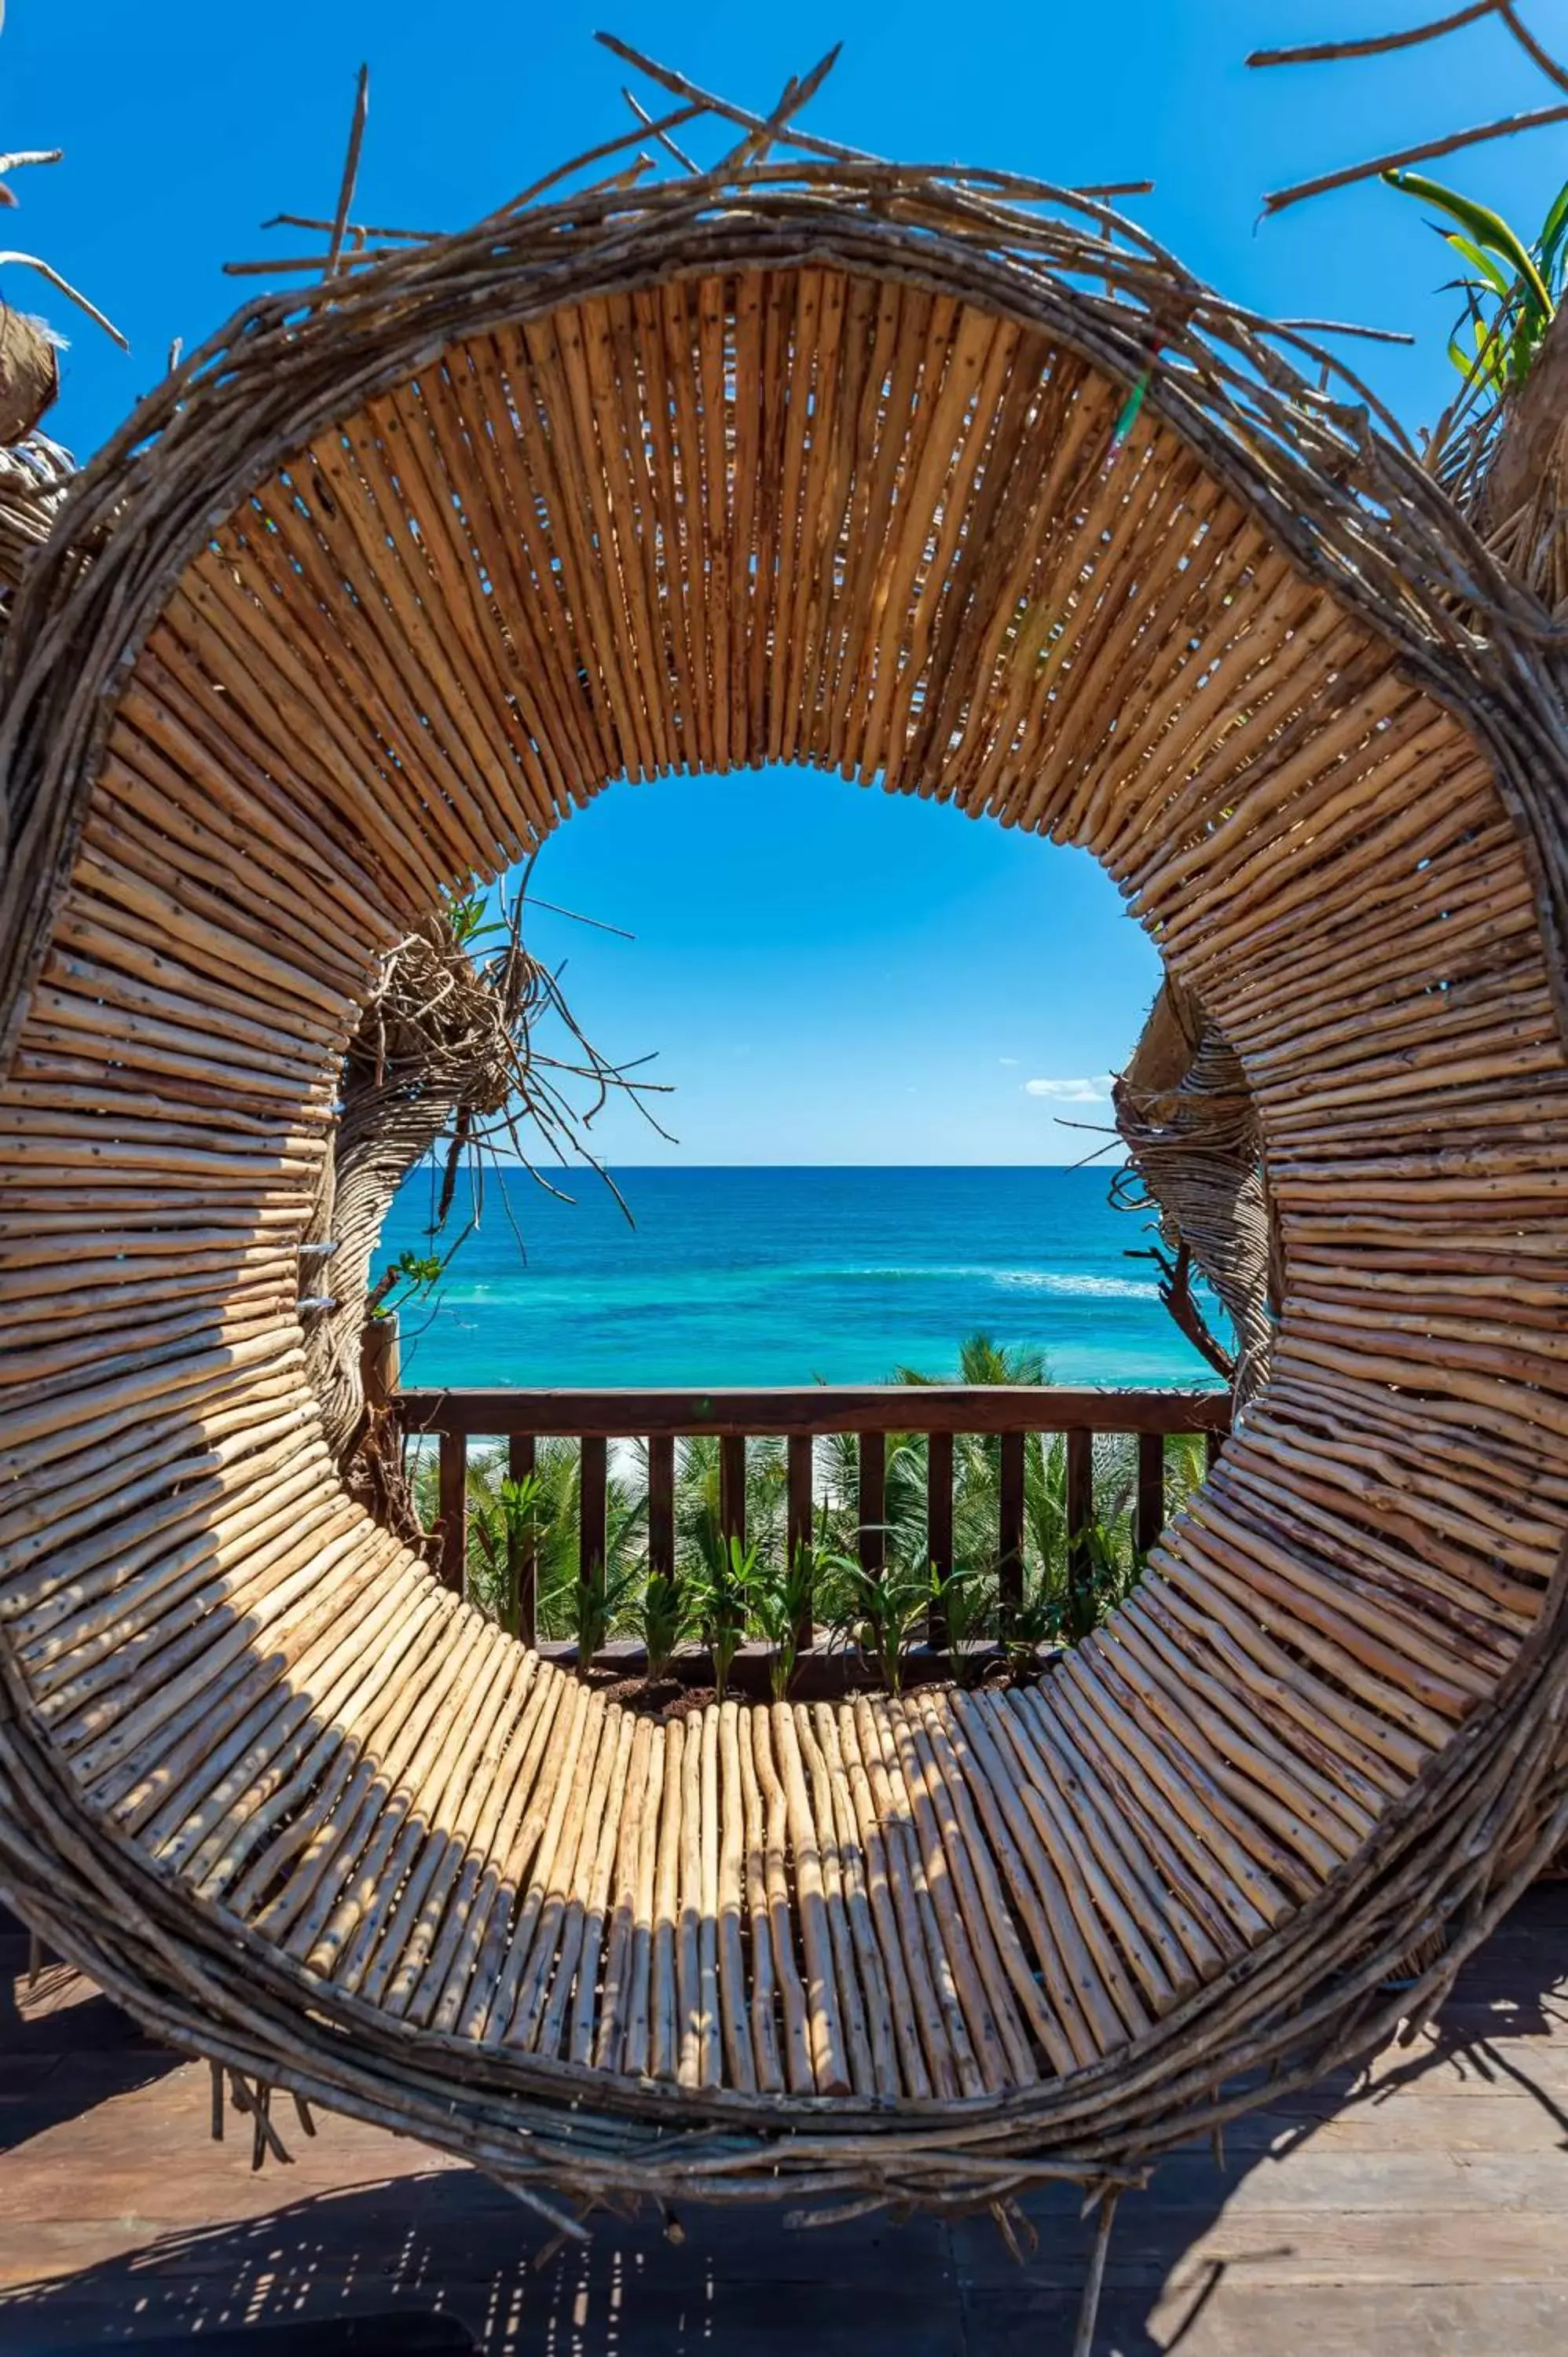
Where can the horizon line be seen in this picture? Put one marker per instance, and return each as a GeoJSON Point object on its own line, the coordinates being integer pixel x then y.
{"type": "Point", "coordinates": [554, 1169]}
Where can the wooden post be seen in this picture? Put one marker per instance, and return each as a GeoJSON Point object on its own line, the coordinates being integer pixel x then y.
{"type": "Point", "coordinates": [521, 1564]}
{"type": "Point", "coordinates": [938, 1526]}
{"type": "Point", "coordinates": [1213, 1442]}
{"type": "Point", "coordinates": [1149, 1519]}
{"type": "Point", "coordinates": [1010, 1534]}
{"type": "Point", "coordinates": [873, 1509]}
{"type": "Point", "coordinates": [661, 1506]}
{"type": "Point", "coordinates": [592, 1512]}
{"type": "Point", "coordinates": [1080, 1514]}
{"type": "Point", "coordinates": [453, 1551]}
{"type": "Point", "coordinates": [797, 1520]}
{"type": "Point", "coordinates": [380, 1359]}
{"type": "Point", "coordinates": [732, 1487]}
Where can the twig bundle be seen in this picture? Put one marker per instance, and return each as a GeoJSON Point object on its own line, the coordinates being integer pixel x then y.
{"type": "Point", "coordinates": [1185, 1114]}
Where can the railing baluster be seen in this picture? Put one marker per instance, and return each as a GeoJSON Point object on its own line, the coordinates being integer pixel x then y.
{"type": "Point", "coordinates": [1010, 1534]}
{"type": "Point", "coordinates": [593, 1507]}
{"type": "Point", "coordinates": [1149, 1518]}
{"type": "Point", "coordinates": [453, 1553]}
{"type": "Point", "coordinates": [732, 1487]}
{"type": "Point", "coordinates": [872, 1507]}
{"type": "Point", "coordinates": [661, 1506]}
{"type": "Point", "coordinates": [798, 1520]}
{"type": "Point", "coordinates": [1080, 1514]}
{"type": "Point", "coordinates": [521, 1564]}
{"type": "Point", "coordinates": [938, 1526]}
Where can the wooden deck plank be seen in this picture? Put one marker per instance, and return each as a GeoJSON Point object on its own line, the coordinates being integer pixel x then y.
{"type": "Point", "coordinates": [1417, 2211]}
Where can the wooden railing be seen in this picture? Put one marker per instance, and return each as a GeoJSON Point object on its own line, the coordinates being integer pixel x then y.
{"type": "Point", "coordinates": [938, 1412]}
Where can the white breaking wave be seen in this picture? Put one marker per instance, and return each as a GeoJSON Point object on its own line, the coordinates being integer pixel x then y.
{"type": "Point", "coordinates": [1040, 1280]}
{"type": "Point", "coordinates": [1036, 1280]}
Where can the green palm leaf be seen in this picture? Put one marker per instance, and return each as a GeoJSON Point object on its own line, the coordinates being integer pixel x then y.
{"type": "Point", "coordinates": [1551, 234]}
{"type": "Point", "coordinates": [1486, 229]}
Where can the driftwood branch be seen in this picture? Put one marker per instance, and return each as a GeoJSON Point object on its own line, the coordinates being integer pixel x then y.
{"type": "Point", "coordinates": [25, 155]}
{"type": "Point", "coordinates": [1537, 119]}
{"type": "Point", "coordinates": [350, 169]}
{"type": "Point", "coordinates": [1505, 127]}
{"type": "Point", "coordinates": [1532, 49]}
{"type": "Point", "coordinates": [72, 294]}
{"type": "Point", "coordinates": [1376, 45]}
{"type": "Point", "coordinates": [670, 146]}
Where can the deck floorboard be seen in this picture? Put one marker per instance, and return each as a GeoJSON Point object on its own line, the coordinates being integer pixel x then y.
{"type": "Point", "coordinates": [1422, 2214]}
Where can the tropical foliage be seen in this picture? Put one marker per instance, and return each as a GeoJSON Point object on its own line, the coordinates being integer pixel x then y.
{"type": "Point", "coordinates": [1512, 289]}
{"type": "Point", "coordinates": [724, 1593]}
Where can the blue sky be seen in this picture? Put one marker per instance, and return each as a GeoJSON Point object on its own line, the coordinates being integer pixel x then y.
{"type": "Point", "coordinates": [827, 974]}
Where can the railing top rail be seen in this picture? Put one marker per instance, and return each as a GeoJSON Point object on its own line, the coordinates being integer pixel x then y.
{"type": "Point", "coordinates": [815, 1409]}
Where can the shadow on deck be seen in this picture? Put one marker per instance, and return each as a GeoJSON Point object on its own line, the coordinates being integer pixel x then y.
{"type": "Point", "coordinates": [1421, 2210]}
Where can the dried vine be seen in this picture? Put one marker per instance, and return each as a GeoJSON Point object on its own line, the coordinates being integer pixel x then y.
{"type": "Point", "coordinates": [447, 1062]}
{"type": "Point", "coordinates": [1184, 1116]}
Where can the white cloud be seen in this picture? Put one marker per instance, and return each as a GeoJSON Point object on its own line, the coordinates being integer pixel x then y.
{"type": "Point", "coordinates": [1006, 1060]}
{"type": "Point", "coordinates": [1094, 1091]}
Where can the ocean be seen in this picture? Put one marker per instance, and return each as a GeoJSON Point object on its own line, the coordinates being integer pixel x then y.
{"type": "Point", "coordinates": [786, 1276]}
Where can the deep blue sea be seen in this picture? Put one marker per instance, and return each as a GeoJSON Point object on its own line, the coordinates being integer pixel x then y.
{"type": "Point", "coordinates": [786, 1276]}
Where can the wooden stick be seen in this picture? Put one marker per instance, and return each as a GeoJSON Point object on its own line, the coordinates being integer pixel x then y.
{"type": "Point", "coordinates": [830, 2063]}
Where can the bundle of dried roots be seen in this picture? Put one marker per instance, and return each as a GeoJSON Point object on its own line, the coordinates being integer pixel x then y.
{"type": "Point", "coordinates": [446, 1065]}
{"type": "Point", "coordinates": [1184, 1114]}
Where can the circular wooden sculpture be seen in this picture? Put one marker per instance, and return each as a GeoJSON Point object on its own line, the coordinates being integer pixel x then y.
{"type": "Point", "coordinates": [856, 467]}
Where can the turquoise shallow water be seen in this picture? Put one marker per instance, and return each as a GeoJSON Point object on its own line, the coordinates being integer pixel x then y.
{"type": "Point", "coordinates": [787, 1277]}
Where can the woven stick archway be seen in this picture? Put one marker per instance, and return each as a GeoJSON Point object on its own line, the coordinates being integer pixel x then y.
{"type": "Point", "coordinates": [834, 466]}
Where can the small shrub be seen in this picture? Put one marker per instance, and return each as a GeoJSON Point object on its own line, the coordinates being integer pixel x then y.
{"type": "Point", "coordinates": [598, 1602]}
{"type": "Point", "coordinates": [881, 1616]}
{"type": "Point", "coordinates": [1110, 1571]}
{"type": "Point", "coordinates": [721, 1594]}
{"type": "Point", "coordinates": [780, 1600]}
{"type": "Point", "coordinates": [666, 1621]}
{"type": "Point", "coordinates": [964, 1601]}
{"type": "Point", "coordinates": [504, 1526]}
{"type": "Point", "coordinates": [1036, 1620]}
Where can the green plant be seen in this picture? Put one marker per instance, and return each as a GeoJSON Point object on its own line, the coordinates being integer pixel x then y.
{"type": "Point", "coordinates": [721, 1592]}
{"type": "Point", "coordinates": [544, 1522]}
{"type": "Point", "coordinates": [881, 1615]}
{"type": "Point", "coordinates": [503, 1529]}
{"type": "Point", "coordinates": [982, 1360]}
{"type": "Point", "coordinates": [552, 1526]}
{"type": "Point", "coordinates": [701, 1538]}
{"type": "Point", "coordinates": [1108, 1569]}
{"type": "Point", "coordinates": [1511, 290]}
{"type": "Point", "coordinates": [965, 1601]}
{"type": "Point", "coordinates": [1185, 1469]}
{"type": "Point", "coordinates": [599, 1601]}
{"type": "Point", "coordinates": [781, 1597]}
{"type": "Point", "coordinates": [466, 915]}
{"type": "Point", "coordinates": [415, 1272]}
{"type": "Point", "coordinates": [666, 1620]}
{"type": "Point", "coordinates": [1036, 1620]}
